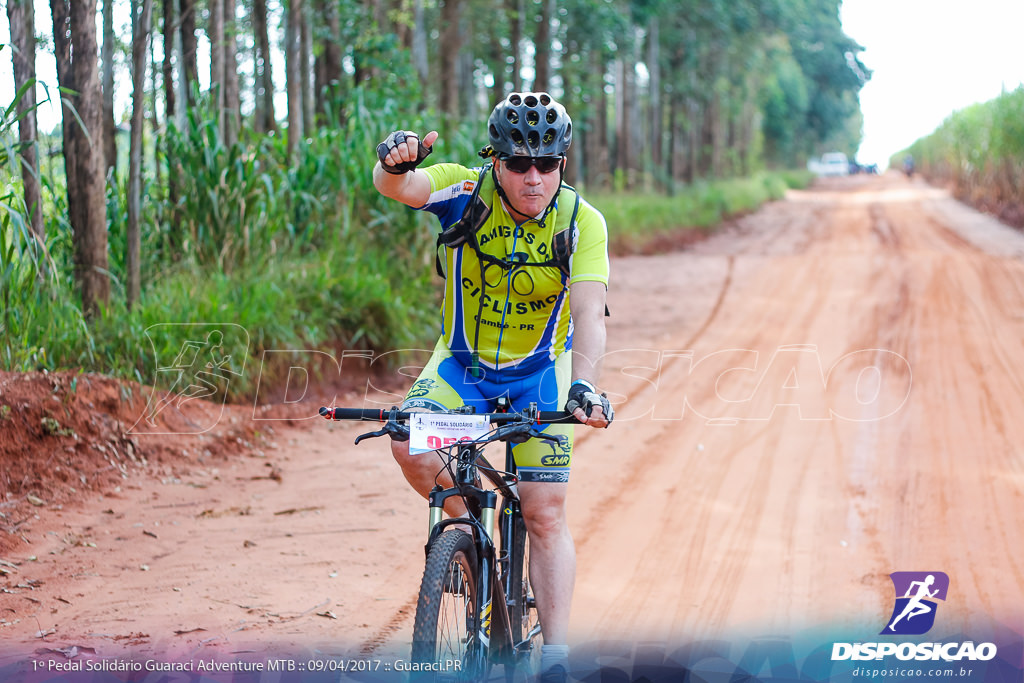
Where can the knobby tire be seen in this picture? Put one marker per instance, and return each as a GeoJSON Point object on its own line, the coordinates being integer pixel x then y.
{"type": "Point", "coordinates": [445, 628]}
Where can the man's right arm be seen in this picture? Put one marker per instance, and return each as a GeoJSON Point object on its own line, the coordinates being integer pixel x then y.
{"type": "Point", "coordinates": [411, 188]}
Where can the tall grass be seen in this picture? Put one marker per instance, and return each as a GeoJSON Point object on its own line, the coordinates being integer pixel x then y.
{"type": "Point", "coordinates": [979, 152]}
{"type": "Point", "coordinates": [302, 256]}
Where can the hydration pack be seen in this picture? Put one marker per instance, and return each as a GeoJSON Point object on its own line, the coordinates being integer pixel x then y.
{"type": "Point", "coordinates": [478, 210]}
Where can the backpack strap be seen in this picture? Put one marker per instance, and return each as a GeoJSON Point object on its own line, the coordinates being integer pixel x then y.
{"type": "Point", "coordinates": [476, 212]}
{"type": "Point", "coordinates": [562, 243]}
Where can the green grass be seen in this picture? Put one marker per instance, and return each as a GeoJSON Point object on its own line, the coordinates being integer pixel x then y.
{"type": "Point", "coordinates": [635, 219]}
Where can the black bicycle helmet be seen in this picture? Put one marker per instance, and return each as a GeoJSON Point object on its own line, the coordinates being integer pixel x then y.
{"type": "Point", "coordinates": [529, 124]}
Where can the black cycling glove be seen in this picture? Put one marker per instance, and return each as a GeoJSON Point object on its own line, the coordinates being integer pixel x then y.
{"type": "Point", "coordinates": [584, 395]}
{"type": "Point", "coordinates": [394, 140]}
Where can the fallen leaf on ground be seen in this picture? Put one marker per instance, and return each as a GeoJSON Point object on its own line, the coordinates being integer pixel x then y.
{"type": "Point", "coordinates": [292, 511]}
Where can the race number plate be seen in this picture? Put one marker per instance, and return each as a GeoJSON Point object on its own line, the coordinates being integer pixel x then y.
{"type": "Point", "coordinates": [430, 431]}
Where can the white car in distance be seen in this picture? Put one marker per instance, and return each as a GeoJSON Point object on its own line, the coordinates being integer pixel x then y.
{"type": "Point", "coordinates": [834, 164]}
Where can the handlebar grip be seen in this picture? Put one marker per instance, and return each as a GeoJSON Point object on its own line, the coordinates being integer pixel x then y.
{"type": "Point", "coordinates": [556, 417]}
{"type": "Point", "coordinates": [366, 415]}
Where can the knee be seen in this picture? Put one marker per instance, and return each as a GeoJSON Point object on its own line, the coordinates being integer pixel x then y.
{"type": "Point", "coordinates": [400, 451]}
{"type": "Point", "coordinates": [547, 520]}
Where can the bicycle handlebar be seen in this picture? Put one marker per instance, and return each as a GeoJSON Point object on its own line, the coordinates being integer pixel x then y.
{"type": "Point", "coordinates": [369, 415]}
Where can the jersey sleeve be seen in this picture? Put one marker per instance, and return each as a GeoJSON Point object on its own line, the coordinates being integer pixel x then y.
{"type": "Point", "coordinates": [450, 188]}
{"type": "Point", "coordinates": [589, 261]}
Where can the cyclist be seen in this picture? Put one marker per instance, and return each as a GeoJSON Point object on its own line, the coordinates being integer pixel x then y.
{"type": "Point", "coordinates": [522, 318]}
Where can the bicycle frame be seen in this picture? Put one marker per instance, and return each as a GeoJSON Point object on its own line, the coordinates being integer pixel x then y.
{"type": "Point", "coordinates": [494, 627]}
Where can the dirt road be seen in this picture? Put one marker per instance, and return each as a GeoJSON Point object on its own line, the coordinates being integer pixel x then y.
{"type": "Point", "coordinates": [827, 392]}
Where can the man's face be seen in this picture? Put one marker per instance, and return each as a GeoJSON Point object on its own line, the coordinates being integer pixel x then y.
{"type": "Point", "coordinates": [529, 192]}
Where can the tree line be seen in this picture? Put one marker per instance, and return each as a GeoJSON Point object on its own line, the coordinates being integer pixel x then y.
{"type": "Point", "coordinates": [663, 93]}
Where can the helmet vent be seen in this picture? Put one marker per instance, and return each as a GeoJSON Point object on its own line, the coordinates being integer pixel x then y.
{"type": "Point", "coordinates": [530, 101]}
{"type": "Point", "coordinates": [532, 117]}
{"type": "Point", "coordinates": [533, 138]}
{"type": "Point", "coordinates": [545, 99]}
{"type": "Point", "coordinates": [515, 99]}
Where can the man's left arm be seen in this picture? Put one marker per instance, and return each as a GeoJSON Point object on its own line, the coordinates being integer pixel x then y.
{"type": "Point", "coordinates": [587, 306]}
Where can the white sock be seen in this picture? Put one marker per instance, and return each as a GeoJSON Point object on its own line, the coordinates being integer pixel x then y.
{"type": "Point", "coordinates": [553, 655]}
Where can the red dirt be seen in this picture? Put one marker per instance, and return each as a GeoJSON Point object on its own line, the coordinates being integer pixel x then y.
{"type": "Point", "coordinates": [63, 437]}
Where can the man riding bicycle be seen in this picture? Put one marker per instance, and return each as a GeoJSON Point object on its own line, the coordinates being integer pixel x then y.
{"type": "Point", "coordinates": [525, 263]}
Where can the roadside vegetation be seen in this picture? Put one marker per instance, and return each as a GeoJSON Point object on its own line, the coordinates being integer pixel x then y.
{"type": "Point", "coordinates": [978, 152]}
{"type": "Point", "coordinates": [217, 208]}
{"type": "Point", "coordinates": [637, 221]}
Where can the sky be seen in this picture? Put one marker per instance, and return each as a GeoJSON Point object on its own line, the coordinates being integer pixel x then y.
{"type": "Point", "coordinates": [929, 58]}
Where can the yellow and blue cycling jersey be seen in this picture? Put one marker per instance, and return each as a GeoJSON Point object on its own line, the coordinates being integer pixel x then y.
{"type": "Point", "coordinates": [525, 327]}
{"type": "Point", "coordinates": [517, 319]}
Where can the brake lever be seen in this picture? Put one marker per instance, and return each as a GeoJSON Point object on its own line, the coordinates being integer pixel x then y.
{"type": "Point", "coordinates": [560, 439]}
{"type": "Point", "coordinates": [516, 433]}
{"type": "Point", "coordinates": [537, 434]}
{"type": "Point", "coordinates": [397, 432]}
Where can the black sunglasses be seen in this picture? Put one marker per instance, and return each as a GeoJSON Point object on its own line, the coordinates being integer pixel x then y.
{"type": "Point", "coordinates": [523, 164]}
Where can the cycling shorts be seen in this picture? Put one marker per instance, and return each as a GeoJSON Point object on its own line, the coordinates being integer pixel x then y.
{"type": "Point", "coordinates": [446, 384]}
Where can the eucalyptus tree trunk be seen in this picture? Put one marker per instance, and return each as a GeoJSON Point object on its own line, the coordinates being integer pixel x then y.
{"type": "Point", "coordinates": [451, 41]}
{"type": "Point", "coordinates": [294, 79]}
{"type": "Point", "coordinates": [141, 22]}
{"type": "Point", "coordinates": [168, 65]}
{"type": "Point", "coordinates": [170, 40]}
{"type": "Point", "coordinates": [109, 127]}
{"type": "Point", "coordinates": [215, 32]}
{"type": "Point", "coordinates": [305, 53]}
{"type": "Point", "coordinates": [654, 68]}
{"type": "Point", "coordinates": [22, 19]}
{"type": "Point", "coordinates": [154, 119]}
{"type": "Point", "coordinates": [74, 33]}
{"type": "Point", "coordinates": [626, 119]}
{"type": "Point", "coordinates": [266, 121]}
{"type": "Point", "coordinates": [419, 42]}
{"type": "Point", "coordinates": [232, 97]}
{"type": "Point", "coordinates": [598, 169]}
{"type": "Point", "coordinates": [189, 61]}
{"type": "Point", "coordinates": [327, 57]}
{"type": "Point", "coordinates": [542, 44]}
{"type": "Point", "coordinates": [516, 12]}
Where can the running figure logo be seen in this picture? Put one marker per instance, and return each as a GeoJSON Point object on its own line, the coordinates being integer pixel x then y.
{"type": "Point", "coordinates": [193, 361]}
{"type": "Point", "coordinates": [916, 592]}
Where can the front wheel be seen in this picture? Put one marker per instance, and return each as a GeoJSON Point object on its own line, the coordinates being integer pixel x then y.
{"type": "Point", "coordinates": [445, 642]}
